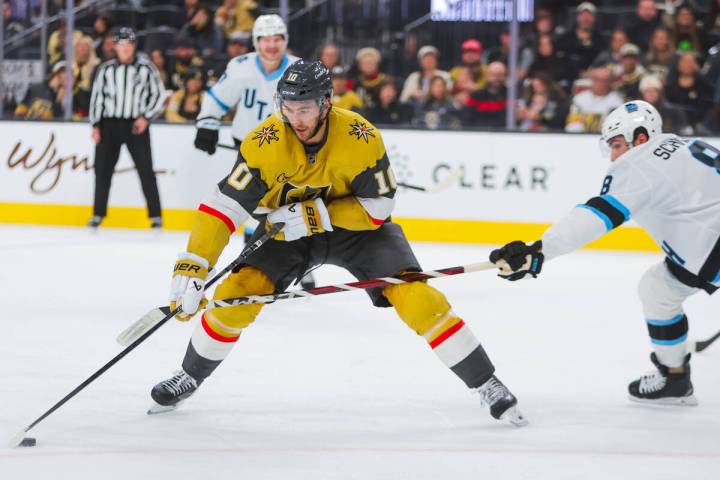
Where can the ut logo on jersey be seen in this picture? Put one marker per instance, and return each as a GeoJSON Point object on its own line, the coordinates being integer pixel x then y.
{"type": "Point", "coordinates": [292, 193]}
{"type": "Point", "coordinates": [249, 102]}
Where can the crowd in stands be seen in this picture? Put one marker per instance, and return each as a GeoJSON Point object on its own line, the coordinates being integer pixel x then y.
{"type": "Point", "coordinates": [570, 73]}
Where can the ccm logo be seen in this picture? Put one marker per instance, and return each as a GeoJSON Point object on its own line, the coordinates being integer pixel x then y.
{"type": "Point", "coordinates": [187, 267]}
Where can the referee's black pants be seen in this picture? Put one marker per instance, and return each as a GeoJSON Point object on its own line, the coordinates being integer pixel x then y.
{"type": "Point", "coordinates": [113, 134]}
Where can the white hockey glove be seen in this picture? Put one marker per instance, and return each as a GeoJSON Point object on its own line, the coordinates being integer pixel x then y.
{"type": "Point", "coordinates": [187, 289]}
{"type": "Point", "coordinates": [301, 219]}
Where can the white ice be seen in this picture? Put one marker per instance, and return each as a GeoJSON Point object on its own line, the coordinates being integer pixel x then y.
{"type": "Point", "coordinates": [332, 388]}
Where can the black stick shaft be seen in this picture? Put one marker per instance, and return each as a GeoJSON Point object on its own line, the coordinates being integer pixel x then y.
{"type": "Point", "coordinates": [245, 253]}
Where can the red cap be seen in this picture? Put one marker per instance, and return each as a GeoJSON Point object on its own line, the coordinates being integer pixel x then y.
{"type": "Point", "coordinates": [471, 45]}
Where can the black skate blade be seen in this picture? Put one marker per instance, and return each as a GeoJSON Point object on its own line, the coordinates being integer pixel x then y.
{"type": "Point", "coordinates": [514, 416]}
{"type": "Point", "coordinates": [156, 408]}
{"type": "Point", "coordinates": [689, 401]}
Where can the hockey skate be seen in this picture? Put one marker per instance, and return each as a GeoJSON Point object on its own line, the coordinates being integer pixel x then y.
{"type": "Point", "coordinates": [170, 393]}
{"type": "Point", "coordinates": [502, 403]}
{"type": "Point", "coordinates": [661, 387]}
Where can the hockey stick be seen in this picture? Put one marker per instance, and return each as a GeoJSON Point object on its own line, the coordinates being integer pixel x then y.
{"type": "Point", "coordinates": [442, 185]}
{"type": "Point", "coordinates": [20, 437]}
{"type": "Point", "coordinates": [699, 345]}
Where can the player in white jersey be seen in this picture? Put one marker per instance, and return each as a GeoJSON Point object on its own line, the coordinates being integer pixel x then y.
{"type": "Point", "coordinates": [670, 186]}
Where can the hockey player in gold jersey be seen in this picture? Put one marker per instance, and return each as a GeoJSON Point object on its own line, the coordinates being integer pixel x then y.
{"type": "Point", "coordinates": [324, 173]}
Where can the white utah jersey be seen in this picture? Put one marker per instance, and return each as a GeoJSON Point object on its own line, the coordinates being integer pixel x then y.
{"type": "Point", "coordinates": [248, 87]}
{"type": "Point", "coordinates": [670, 187]}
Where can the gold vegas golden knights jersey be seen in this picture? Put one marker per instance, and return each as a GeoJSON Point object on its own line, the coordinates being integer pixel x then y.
{"type": "Point", "coordinates": [349, 170]}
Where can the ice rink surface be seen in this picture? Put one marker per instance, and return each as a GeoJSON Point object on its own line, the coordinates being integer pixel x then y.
{"type": "Point", "coordinates": [332, 388]}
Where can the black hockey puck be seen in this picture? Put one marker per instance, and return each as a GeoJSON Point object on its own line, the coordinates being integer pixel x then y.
{"type": "Point", "coordinates": [28, 442]}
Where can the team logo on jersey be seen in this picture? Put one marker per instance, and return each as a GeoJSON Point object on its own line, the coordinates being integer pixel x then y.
{"type": "Point", "coordinates": [292, 193]}
{"type": "Point", "coordinates": [266, 135]}
{"type": "Point", "coordinates": [361, 130]}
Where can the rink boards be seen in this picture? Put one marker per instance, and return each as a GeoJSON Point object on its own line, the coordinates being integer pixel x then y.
{"type": "Point", "coordinates": [506, 186]}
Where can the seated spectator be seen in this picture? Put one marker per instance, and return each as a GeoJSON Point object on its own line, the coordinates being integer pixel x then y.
{"type": "Point", "coordinates": [543, 24]}
{"type": "Point", "coordinates": [674, 119]}
{"type": "Point", "coordinates": [643, 23]}
{"type": "Point", "coordinates": [388, 110]}
{"type": "Point", "coordinates": [417, 85]}
{"type": "Point", "coordinates": [581, 45]}
{"type": "Point", "coordinates": [689, 37]}
{"type": "Point", "coordinates": [610, 57]}
{"type": "Point", "coordinates": [101, 27]}
{"type": "Point", "coordinates": [84, 64]}
{"type": "Point", "coordinates": [343, 96]}
{"type": "Point", "coordinates": [660, 54]}
{"type": "Point", "coordinates": [543, 107]}
{"type": "Point", "coordinates": [107, 48]}
{"type": "Point", "coordinates": [236, 16]}
{"type": "Point", "coordinates": [185, 57]}
{"type": "Point", "coordinates": [630, 72]}
{"type": "Point", "coordinates": [205, 35]}
{"type": "Point", "coordinates": [487, 106]}
{"type": "Point", "coordinates": [463, 86]}
{"type": "Point", "coordinates": [439, 110]}
{"type": "Point", "coordinates": [499, 53]}
{"type": "Point", "coordinates": [45, 101]}
{"type": "Point", "coordinates": [157, 57]}
{"type": "Point", "coordinates": [12, 25]}
{"type": "Point", "coordinates": [184, 104]}
{"type": "Point", "coordinates": [191, 7]}
{"type": "Point", "coordinates": [471, 52]}
{"type": "Point", "coordinates": [56, 42]}
{"type": "Point", "coordinates": [370, 78]}
{"type": "Point", "coordinates": [330, 55]}
{"type": "Point", "coordinates": [687, 89]}
{"type": "Point", "coordinates": [237, 44]}
{"type": "Point", "coordinates": [589, 108]}
{"type": "Point", "coordinates": [548, 62]}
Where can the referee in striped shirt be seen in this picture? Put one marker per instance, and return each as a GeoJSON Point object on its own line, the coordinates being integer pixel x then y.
{"type": "Point", "coordinates": [127, 93]}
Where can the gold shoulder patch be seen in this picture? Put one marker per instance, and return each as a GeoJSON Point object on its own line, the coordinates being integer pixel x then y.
{"type": "Point", "coordinates": [266, 135]}
{"type": "Point", "coordinates": [361, 130]}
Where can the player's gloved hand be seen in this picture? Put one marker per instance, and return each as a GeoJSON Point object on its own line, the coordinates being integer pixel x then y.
{"type": "Point", "coordinates": [206, 139]}
{"type": "Point", "coordinates": [188, 285]}
{"type": "Point", "coordinates": [516, 259]}
{"type": "Point", "coordinates": [301, 219]}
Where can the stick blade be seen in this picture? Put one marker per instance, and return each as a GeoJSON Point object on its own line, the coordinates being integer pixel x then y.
{"type": "Point", "coordinates": [145, 323]}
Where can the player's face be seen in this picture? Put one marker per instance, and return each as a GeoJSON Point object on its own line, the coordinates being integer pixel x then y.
{"type": "Point", "coordinates": [618, 146]}
{"type": "Point", "coordinates": [303, 117]}
{"type": "Point", "coordinates": [271, 48]}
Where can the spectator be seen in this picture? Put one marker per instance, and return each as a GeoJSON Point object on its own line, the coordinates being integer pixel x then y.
{"type": "Point", "coordinates": [343, 96]}
{"type": "Point", "coordinates": [185, 57]}
{"type": "Point", "coordinates": [205, 35]}
{"type": "Point", "coordinates": [236, 16]}
{"type": "Point", "coordinates": [584, 43]}
{"type": "Point", "coordinates": [12, 25]}
{"type": "Point", "coordinates": [550, 63]}
{"type": "Point", "coordinates": [543, 107]}
{"type": "Point", "coordinates": [544, 24]}
{"type": "Point", "coordinates": [486, 107]}
{"type": "Point", "coordinates": [45, 101]}
{"type": "Point", "coordinates": [438, 110]}
{"type": "Point", "coordinates": [688, 36]}
{"type": "Point", "coordinates": [84, 64]}
{"type": "Point", "coordinates": [643, 23]}
{"type": "Point", "coordinates": [630, 72]}
{"type": "Point", "coordinates": [499, 53]}
{"type": "Point", "coordinates": [610, 57]}
{"type": "Point", "coordinates": [687, 89]}
{"type": "Point", "coordinates": [191, 7]}
{"type": "Point", "coordinates": [590, 107]}
{"type": "Point", "coordinates": [101, 28]}
{"type": "Point", "coordinates": [157, 57]}
{"type": "Point", "coordinates": [471, 52]}
{"type": "Point", "coordinates": [184, 104]}
{"type": "Point", "coordinates": [417, 85]}
{"type": "Point", "coordinates": [463, 87]}
{"type": "Point", "coordinates": [370, 78]}
{"type": "Point", "coordinates": [330, 55]}
{"type": "Point", "coordinates": [107, 49]}
{"type": "Point", "coordinates": [237, 44]}
{"type": "Point", "coordinates": [661, 53]}
{"type": "Point", "coordinates": [56, 42]}
{"type": "Point", "coordinates": [674, 119]}
{"type": "Point", "coordinates": [388, 110]}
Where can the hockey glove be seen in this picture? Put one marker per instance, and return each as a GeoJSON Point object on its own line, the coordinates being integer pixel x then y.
{"type": "Point", "coordinates": [516, 259]}
{"type": "Point", "coordinates": [206, 139]}
{"type": "Point", "coordinates": [188, 285]}
{"type": "Point", "coordinates": [301, 219]}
